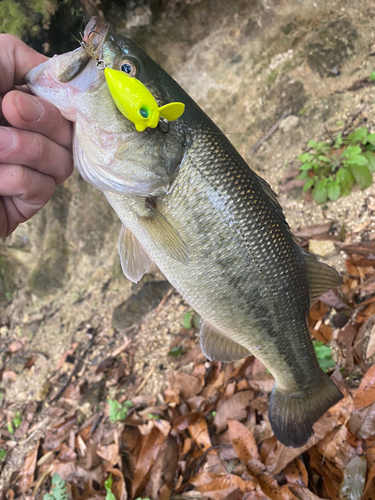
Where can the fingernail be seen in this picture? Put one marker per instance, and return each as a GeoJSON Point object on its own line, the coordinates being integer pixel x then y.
{"type": "Point", "coordinates": [7, 139]}
{"type": "Point", "coordinates": [30, 109]}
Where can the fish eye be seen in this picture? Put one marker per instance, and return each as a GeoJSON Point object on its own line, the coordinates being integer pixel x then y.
{"type": "Point", "coordinates": [128, 67]}
{"type": "Point", "coordinates": [144, 112]}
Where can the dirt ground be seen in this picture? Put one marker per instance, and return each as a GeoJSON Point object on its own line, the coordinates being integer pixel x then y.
{"type": "Point", "coordinates": [247, 64]}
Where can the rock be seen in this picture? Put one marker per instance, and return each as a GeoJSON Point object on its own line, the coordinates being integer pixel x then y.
{"type": "Point", "coordinates": [322, 248]}
{"type": "Point", "coordinates": [131, 311]}
{"type": "Point", "coordinates": [289, 123]}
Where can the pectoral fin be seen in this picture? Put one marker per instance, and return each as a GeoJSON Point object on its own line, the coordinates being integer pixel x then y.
{"type": "Point", "coordinates": [172, 111]}
{"type": "Point", "coordinates": [217, 347]}
{"type": "Point", "coordinates": [321, 277]}
{"type": "Point", "coordinates": [164, 235]}
{"type": "Point", "coordinates": [134, 260]}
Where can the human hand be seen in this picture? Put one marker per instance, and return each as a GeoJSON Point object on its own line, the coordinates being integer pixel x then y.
{"type": "Point", "coordinates": [35, 140]}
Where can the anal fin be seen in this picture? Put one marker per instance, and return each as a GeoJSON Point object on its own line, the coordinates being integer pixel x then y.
{"type": "Point", "coordinates": [164, 235]}
{"type": "Point", "coordinates": [216, 347]}
{"type": "Point", "coordinates": [134, 260]}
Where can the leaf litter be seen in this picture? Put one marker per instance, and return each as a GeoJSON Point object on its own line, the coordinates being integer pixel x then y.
{"type": "Point", "coordinates": [207, 434]}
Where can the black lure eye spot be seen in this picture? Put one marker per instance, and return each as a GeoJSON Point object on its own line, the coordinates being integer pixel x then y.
{"type": "Point", "coordinates": [128, 67]}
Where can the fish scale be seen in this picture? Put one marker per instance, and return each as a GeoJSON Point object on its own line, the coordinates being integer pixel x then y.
{"type": "Point", "coordinates": [190, 203]}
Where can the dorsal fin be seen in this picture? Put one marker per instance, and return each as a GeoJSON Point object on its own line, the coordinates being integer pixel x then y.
{"type": "Point", "coordinates": [216, 347]}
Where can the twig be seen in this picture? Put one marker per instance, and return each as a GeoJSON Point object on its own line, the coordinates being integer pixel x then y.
{"type": "Point", "coordinates": [163, 301]}
{"type": "Point", "coordinates": [120, 349]}
{"type": "Point", "coordinates": [144, 382]}
{"type": "Point", "coordinates": [41, 480]}
{"type": "Point", "coordinates": [254, 148]}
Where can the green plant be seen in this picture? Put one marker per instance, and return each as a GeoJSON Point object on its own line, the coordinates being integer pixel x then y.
{"type": "Point", "coordinates": [331, 170]}
{"type": "Point", "coordinates": [2, 453]}
{"type": "Point", "coordinates": [58, 489]}
{"type": "Point", "coordinates": [176, 351]}
{"type": "Point", "coordinates": [108, 488]}
{"type": "Point", "coordinates": [15, 423]}
{"type": "Point", "coordinates": [324, 355]}
{"type": "Point", "coordinates": [118, 411]}
{"type": "Point", "coordinates": [191, 320]}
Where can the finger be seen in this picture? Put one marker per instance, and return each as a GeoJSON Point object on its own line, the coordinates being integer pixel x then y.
{"type": "Point", "coordinates": [5, 227]}
{"type": "Point", "coordinates": [31, 113]}
{"type": "Point", "coordinates": [16, 59]}
{"type": "Point", "coordinates": [10, 216]}
{"type": "Point", "coordinates": [29, 188]}
{"type": "Point", "coordinates": [36, 151]}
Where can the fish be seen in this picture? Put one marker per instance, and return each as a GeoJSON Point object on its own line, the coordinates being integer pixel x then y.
{"type": "Point", "coordinates": [190, 203]}
{"type": "Point", "coordinates": [137, 103]}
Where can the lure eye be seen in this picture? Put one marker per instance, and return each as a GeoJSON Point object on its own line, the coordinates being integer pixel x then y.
{"type": "Point", "coordinates": [144, 112]}
{"type": "Point", "coordinates": [128, 67]}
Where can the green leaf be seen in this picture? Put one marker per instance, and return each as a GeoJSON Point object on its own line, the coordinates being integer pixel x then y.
{"type": "Point", "coordinates": [338, 141]}
{"type": "Point", "coordinates": [371, 138]}
{"type": "Point", "coordinates": [108, 488]}
{"type": "Point", "coordinates": [308, 184]}
{"type": "Point", "coordinates": [191, 320]}
{"type": "Point", "coordinates": [370, 157]}
{"type": "Point", "coordinates": [17, 419]}
{"type": "Point", "coordinates": [303, 176]}
{"type": "Point", "coordinates": [324, 355]}
{"type": "Point", "coordinates": [176, 351]}
{"type": "Point", "coordinates": [355, 160]}
{"type": "Point", "coordinates": [362, 175]}
{"type": "Point", "coordinates": [351, 150]}
{"type": "Point", "coordinates": [346, 180]}
{"type": "Point", "coordinates": [305, 157]}
{"type": "Point", "coordinates": [59, 490]}
{"type": "Point", "coordinates": [320, 192]}
{"type": "Point", "coordinates": [151, 416]}
{"type": "Point", "coordinates": [10, 428]}
{"type": "Point", "coordinates": [2, 453]}
{"type": "Point", "coordinates": [186, 322]}
{"type": "Point", "coordinates": [306, 166]}
{"type": "Point", "coordinates": [333, 190]}
{"type": "Point", "coordinates": [372, 76]}
{"type": "Point", "coordinates": [359, 135]}
{"type": "Point", "coordinates": [354, 479]}
{"type": "Point", "coordinates": [118, 411]}
{"type": "Point", "coordinates": [324, 159]}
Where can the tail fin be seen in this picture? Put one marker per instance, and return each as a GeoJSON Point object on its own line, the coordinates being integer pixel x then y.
{"type": "Point", "coordinates": [292, 415]}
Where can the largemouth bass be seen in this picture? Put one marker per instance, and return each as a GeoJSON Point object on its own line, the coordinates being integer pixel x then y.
{"type": "Point", "coordinates": [190, 203]}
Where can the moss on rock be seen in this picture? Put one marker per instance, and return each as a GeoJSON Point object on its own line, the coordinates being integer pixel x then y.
{"type": "Point", "coordinates": [7, 278]}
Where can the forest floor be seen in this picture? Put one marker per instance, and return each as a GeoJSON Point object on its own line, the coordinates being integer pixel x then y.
{"type": "Point", "coordinates": [100, 377]}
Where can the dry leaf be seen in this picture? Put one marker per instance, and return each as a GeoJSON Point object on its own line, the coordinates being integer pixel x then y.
{"type": "Point", "coordinates": [150, 448]}
{"type": "Point", "coordinates": [365, 394]}
{"type": "Point", "coordinates": [28, 470]}
{"type": "Point", "coordinates": [187, 385]}
{"type": "Point", "coordinates": [243, 441]}
{"type": "Point", "coordinates": [199, 432]}
{"type": "Point", "coordinates": [118, 485]}
{"type": "Point", "coordinates": [232, 408]}
{"type": "Point", "coordinates": [370, 351]}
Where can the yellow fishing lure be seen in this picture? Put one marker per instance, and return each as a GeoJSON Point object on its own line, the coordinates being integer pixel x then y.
{"type": "Point", "coordinates": [137, 103]}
